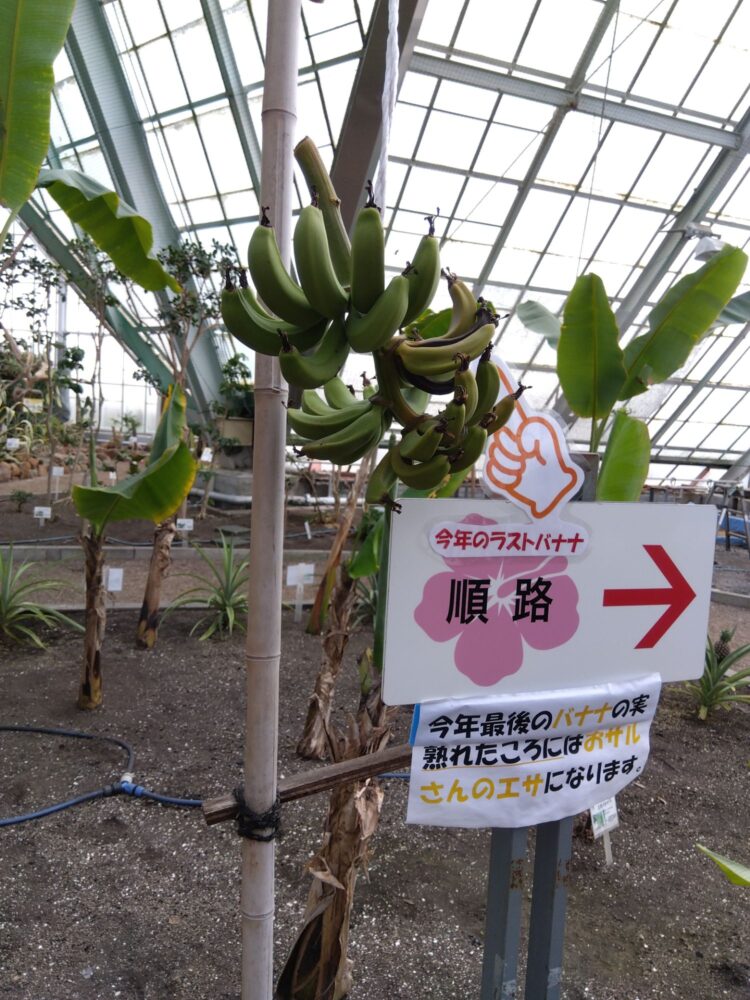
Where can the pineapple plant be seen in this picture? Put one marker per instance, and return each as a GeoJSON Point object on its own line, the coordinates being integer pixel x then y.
{"type": "Point", "coordinates": [721, 646]}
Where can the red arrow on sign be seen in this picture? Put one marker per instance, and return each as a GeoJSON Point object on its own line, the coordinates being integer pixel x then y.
{"type": "Point", "coordinates": [677, 596]}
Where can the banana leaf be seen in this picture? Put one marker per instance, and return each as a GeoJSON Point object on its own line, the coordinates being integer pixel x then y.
{"type": "Point", "coordinates": [171, 424]}
{"type": "Point", "coordinates": [432, 324]}
{"type": "Point", "coordinates": [539, 319]}
{"type": "Point", "coordinates": [737, 310]}
{"type": "Point", "coordinates": [32, 32]}
{"type": "Point", "coordinates": [589, 359]}
{"type": "Point", "coordinates": [154, 494]}
{"type": "Point", "coordinates": [738, 874]}
{"type": "Point", "coordinates": [626, 458]}
{"type": "Point", "coordinates": [113, 225]}
{"type": "Point", "coordinates": [678, 321]}
{"type": "Point", "coordinates": [366, 559]}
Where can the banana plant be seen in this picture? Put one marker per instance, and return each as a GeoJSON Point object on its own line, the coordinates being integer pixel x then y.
{"type": "Point", "coordinates": [595, 372]}
{"type": "Point", "coordinates": [153, 494]}
{"type": "Point", "coordinates": [735, 871]}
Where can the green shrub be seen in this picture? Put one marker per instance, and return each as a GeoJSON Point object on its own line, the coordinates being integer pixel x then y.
{"type": "Point", "coordinates": [223, 593]}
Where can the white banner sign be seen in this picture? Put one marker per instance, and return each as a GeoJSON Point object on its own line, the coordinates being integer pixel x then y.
{"type": "Point", "coordinates": [530, 758]}
{"type": "Point", "coordinates": [478, 606]}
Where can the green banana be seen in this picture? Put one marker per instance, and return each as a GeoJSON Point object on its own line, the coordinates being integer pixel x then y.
{"type": "Point", "coordinates": [350, 443]}
{"type": "Point", "coordinates": [389, 390]}
{"type": "Point", "coordinates": [423, 274]}
{"type": "Point", "coordinates": [314, 426]}
{"type": "Point", "coordinates": [439, 356]}
{"type": "Point", "coordinates": [417, 399]}
{"type": "Point", "coordinates": [256, 329]}
{"type": "Point", "coordinates": [313, 404]}
{"type": "Point", "coordinates": [314, 266]}
{"type": "Point", "coordinates": [422, 383]}
{"type": "Point", "coordinates": [502, 411]}
{"type": "Point", "coordinates": [338, 394]}
{"type": "Point", "coordinates": [381, 481]}
{"type": "Point", "coordinates": [274, 285]}
{"type": "Point", "coordinates": [422, 476]}
{"type": "Point", "coordinates": [308, 371]}
{"type": "Point", "coordinates": [453, 416]}
{"type": "Point", "coordinates": [314, 171]}
{"type": "Point", "coordinates": [420, 443]}
{"type": "Point", "coordinates": [375, 328]}
{"type": "Point", "coordinates": [368, 257]}
{"type": "Point", "coordinates": [472, 449]}
{"type": "Point", "coordinates": [466, 379]}
{"type": "Point", "coordinates": [488, 385]}
{"type": "Point", "coordinates": [464, 306]}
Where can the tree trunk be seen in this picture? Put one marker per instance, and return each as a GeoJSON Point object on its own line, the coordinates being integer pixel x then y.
{"type": "Point", "coordinates": [161, 560]}
{"type": "Point", "coordinates": [314, 741]}
{"type": "Point", "coordinates": [318, 966]}
{"type": "Point", "coordinates": [90, 692]}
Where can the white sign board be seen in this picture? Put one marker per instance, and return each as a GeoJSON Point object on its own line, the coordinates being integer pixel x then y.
{"type": "Point", "coordinates": [43, 513]}
{"type": "Point", "coordinates": [531, 758]}
{"type": "Point", "coordinates": [542, 611]}
{"type": "Point", "coordinates": [184, 524]}
{"type": "Point", "coordinates": [114, 575]}
{"type": "Point", "coordinates": [207, 455]}
{"type": "Point", "coordinates": [13, 444]}
{"type": "Point", "coordinates": [604, 817]}
{"type": "Point", "coordinates": [297, 573]}
{"type": "Point", "coordinates": [57, 471]}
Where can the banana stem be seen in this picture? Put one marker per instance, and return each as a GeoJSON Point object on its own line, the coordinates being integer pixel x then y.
{"type": "Point", "coordinates": [597, 431]}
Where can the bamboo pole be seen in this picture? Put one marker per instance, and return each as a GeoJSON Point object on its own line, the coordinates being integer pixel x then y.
{"type": "Point", "coordinates": [263, 650]}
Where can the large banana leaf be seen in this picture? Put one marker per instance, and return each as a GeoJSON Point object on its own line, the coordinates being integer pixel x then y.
{"type": "Point", "coordinates": [32, 33]}
{"type": "Point", "coordinates": [626, 458]}
{"type": "Point", "coordinates": [589, 359]}
{"type": "Point", "coordinates": [157, 492]}
{"type": "Point", "coordinates": [539, 319]}
{"type": "Point", "coordinates": [678, 321]}
{"type": "Point", "coordinates": [154, 494]}
{"type": "Point", "coordinates": [113, 225]}
{"type": "Point", "coordinates": [172, 424]}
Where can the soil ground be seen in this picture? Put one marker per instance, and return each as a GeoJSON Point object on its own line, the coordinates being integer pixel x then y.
{"type": "Point", "coordinates": [125, 898]}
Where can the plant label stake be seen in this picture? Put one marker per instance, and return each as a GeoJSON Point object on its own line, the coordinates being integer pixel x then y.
{"type": "Point", "coordinates": [13, 444]}
{"type": "Point", "coordinates": [298, 575]}
{"type": "Point", "coordinates": [112, 477]}
{"type": "Point", "coordinates": [307, 531]}
{"type": "Point", "coordinates": [42, 514]}
{"type": "Point", "coordinates": [603, 819]}
{"type": "Point", "coordinates": [57, 473]}
{"type": "Point", "coordinates": [184, 526]}
{"type": "Point", "coordinates": [114, 578]}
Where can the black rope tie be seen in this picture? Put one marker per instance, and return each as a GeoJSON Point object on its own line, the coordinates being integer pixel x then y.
{"type": "Point", "coordinates": [249, 823]}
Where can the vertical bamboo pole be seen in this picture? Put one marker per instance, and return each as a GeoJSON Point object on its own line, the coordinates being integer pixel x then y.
{"type": "Point", "coordinates": [263, 648]}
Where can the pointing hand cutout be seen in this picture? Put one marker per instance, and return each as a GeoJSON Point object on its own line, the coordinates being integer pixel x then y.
{"type": "Point", "coordinates": [528, 460]}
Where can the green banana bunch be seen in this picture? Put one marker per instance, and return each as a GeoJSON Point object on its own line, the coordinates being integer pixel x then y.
{"type": "Point", "coordinates": [313, 404]}
{"type": "Point", "coordinates": [421, 442]}
{"type": "Point", "coordinates": [272, 281]}
{"type": "Point", "coordinates": [246, 320]}
{"type": "Point", "coordinates": [453, 416]}
{"type": "Point", "coordinates": [368, 257]}
{"type": "Point", "coordinates": [369, 331]}
{"type": "Point", "coordinates": [464, 306]}
{"type": "Point", "coordinates": [407, 410]}
{"type": "Point", "coordinates": [313, 427]}
{"type": "Point", "coordinates": [352, 441]}
{"type": "Point", "coordinates": [314, 265]}
{"type": "Point", "coordinates": [465, 380]}
{"type": "Point", "coordinates": [420, 475]}
{"type": "Point", "coordinates": [338, 394]}
{"type": "Point", "coordinates": [439, 356]}
{"type": "Point", "coordinates": [381, 482]}
{"type": "Point", "coordinates": [472, 448]}
{"type": "Point", "coordinates": [308, 371]}
{"type": "Point", "coordinates": [423, 273]}
{"type": "Point", "coordinates": [502, 411]}
{"type": "Point", "coordinates": [488, 385]}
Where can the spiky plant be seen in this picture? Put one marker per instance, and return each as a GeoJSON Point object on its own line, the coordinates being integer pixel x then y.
{"type": "Point", "coordinates": [721, 683]}
{"type": "Point", "coordinates": [223, 594]}
{"type": "Point", "coordinates": [18, 614]}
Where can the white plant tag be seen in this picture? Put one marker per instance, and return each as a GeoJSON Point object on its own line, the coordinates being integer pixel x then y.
{"type": "Point", "coordinates": [307, 530]}
{"type": "Point", "coordinates": [57, 471]}
{"type": "Point", "coordinates": [42, 514]}
{"type": "Point", "coordinates": [114, 579]}
{"type": "Point", "coordinates": [184, 523]}
{"type": "Point", "coordinates": [207, 455]}
{"type": "Point", "coordinates": [13, 444]}
{"type": "Point", "coordinates": [604, 816]}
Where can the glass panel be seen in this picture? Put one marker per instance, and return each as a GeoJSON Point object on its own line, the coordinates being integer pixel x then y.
{"type": "Point", "coordinates": [160, 68]}
{"type": "Point", "coordinates": [428, 190]}
{"type": "Point", "coordinates": [405, 127]}
{"type": "Point", "coordinates": [181, 12]}
{"type": "Point", "coordinates": [73, 110]}
{"type": "Point", "coordinates": [440, 20]}
{"type": "Point", "coordinates": [507, 152]}
{"type": "Point", "coordinates": [671, 168]}
{"type": "Point", "coordinates": [198, 62]}
{"type": "Point", "coordinates": [244, 42]}
{"type": "Point", "coordinates": [224, 150]}
{"type": "Point", "coordinates": [142, 29]}
{"type": "Point", "coordinates": [572, 21]}
{"type": "Point", "coordinates": [464, 100]}
{"type": "Point", "coordinates": [683, 52]}
{"type": "Point", "coordinates": [334, 43]}
{"type": "Point", "coordinates": [187, 153]}
{"type": "Point", "coordinates": [336, 83]}
{"type": "Point", "coordinates": [450, 140]}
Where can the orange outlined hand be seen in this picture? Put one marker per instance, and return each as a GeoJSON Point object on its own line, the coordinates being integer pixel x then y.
{"type": "Point", "coordinates": [528, 460]}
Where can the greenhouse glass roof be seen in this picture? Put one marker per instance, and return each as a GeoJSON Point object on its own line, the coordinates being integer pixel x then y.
{"type": "Point", "coordinates": [554, 138]}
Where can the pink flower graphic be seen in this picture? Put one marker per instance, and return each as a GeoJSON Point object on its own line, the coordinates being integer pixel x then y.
{"type": "Point", "coordinates": [487, 651]}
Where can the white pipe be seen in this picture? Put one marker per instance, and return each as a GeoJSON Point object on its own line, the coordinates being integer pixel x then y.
{"type": "Point", "coordinates": [263, 649]}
